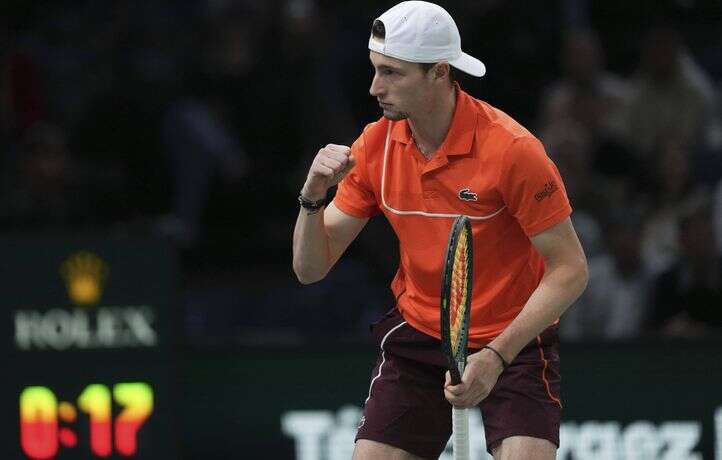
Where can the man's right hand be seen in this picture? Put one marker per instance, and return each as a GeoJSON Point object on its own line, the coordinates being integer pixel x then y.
{"type": "Point", "coordinates": [331, 164]}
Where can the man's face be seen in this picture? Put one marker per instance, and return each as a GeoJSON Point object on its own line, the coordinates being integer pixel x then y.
{"type": "Point", "coordinates": [402, 88]}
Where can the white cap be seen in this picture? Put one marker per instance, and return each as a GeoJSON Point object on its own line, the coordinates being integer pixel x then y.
{"type": "Point", "coordinates": [424, 32]}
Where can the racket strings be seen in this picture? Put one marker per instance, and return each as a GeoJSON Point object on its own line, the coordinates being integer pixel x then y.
{"type": "Point", "coordinates": [459, 291]}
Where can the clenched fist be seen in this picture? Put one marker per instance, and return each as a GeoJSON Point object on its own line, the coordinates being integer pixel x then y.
{"type": "Point", "coordinates": [331, 164]}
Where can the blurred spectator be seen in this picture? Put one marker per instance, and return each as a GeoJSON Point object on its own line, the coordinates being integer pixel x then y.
{"type": "Point", "coordinates": [200, 145]}
{"type": "Point", "coordinates": [48, 187]}
{"type": "Point", "coordinates": [615, 304]}
{"type": "Point", "coordinates": [670, 93]}
{"type": "Point", "coordinates": [42, 186]}
{"type": "Point", "coordinates": [688, 296]}
{"type": "Point", "coordinates": [670, 186]}
{"type": "Point", "coordinates": [586, 93]}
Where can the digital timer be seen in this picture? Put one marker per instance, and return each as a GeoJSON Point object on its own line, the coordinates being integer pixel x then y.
{"type": "Point", "coordinates": [41, 435]}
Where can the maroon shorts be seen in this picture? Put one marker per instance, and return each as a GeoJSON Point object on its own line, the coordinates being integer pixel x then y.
{"type": "Point", "coordinates": [406, 407]}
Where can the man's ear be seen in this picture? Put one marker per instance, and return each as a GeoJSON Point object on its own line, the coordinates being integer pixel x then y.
{"type": "Point", "coordinates": [441, 70]}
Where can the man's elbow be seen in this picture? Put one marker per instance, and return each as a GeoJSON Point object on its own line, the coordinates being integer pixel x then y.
{"type": "Point", "coordinates": [306, 275]}
{"type": "Point", "coordinates": [305, 279]}
{"type": "Point", "coordinates": [574, 274]}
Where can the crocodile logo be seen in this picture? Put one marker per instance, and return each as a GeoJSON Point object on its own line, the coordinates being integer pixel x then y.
{"type": "Point", "coordinates": [467, 195]}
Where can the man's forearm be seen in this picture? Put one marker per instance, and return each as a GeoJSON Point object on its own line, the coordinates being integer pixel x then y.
{"type": "Point", "coordinates": [558, 289]}
{"type": "Point", "coordinates": [310, 247]}
{"type": "Point", "coordinates": [312, 255]}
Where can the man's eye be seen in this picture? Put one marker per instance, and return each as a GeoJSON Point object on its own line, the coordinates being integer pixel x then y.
{"type": "Point", "coordinates": [387, 72]}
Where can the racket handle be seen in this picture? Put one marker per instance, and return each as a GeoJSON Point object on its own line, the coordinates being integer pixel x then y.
{"type": "Point", "coordinates": [460, 426]}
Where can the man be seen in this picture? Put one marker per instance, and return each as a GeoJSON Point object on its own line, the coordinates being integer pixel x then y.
{"type": "Point", "coordinates": [437, 153]}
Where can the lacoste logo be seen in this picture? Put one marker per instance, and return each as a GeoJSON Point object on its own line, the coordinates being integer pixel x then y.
{"type": "Point", "coordinates": [549, 188]}
{"type": "Point", "coordinates": [467, 195]}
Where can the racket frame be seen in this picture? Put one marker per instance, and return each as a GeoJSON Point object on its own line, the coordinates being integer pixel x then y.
{"type": "Point", "coordinates": [456, 362]}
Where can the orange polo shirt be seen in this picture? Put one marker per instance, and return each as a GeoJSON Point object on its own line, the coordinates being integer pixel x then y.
{"type": "Point", "coordinates": [489, 168]}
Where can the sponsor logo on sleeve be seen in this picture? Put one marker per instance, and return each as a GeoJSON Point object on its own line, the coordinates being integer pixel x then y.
{"type": "Point", "coordinates": [549, 188]}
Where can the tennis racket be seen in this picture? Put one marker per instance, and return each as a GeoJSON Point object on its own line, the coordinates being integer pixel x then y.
{"type": "Point", "coordinates": [455, 305]}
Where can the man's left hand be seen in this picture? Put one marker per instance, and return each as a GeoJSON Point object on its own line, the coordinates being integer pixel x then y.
{"type": "Point", "coordinates": [483, 369]}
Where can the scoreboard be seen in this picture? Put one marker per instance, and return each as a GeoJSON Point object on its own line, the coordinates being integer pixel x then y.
{"type": "Point", "coordinates": [89, 340]}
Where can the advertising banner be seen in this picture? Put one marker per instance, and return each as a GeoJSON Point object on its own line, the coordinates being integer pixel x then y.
{"type": "Point", "coordinates": [650, 400]}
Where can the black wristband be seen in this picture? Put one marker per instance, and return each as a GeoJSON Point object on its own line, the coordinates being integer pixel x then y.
{"type": "Point", "coordinates": [504, 364]}
{"type": "Point", "coordinates": [311, 205]}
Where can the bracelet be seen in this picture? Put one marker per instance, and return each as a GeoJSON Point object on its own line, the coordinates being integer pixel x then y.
{"type": "Point", "coordinates": [311, 205]}
{"type": "Point", "coordinates": [504, 364]}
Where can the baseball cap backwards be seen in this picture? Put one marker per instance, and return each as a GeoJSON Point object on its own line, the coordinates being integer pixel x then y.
{"type": "Point", "coordinates": [423, 32]}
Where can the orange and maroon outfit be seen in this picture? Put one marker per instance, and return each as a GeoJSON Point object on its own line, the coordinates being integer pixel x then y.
{"type": "Point", "coordinates": [493, 170]}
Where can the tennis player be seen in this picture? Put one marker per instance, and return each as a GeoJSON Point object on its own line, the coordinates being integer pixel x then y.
{"type": "Point", "coordinates": [437, 152]}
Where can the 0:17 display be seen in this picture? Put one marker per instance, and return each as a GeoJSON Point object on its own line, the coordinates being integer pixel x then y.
{"type": "Point", "coordinates": [40, 413]}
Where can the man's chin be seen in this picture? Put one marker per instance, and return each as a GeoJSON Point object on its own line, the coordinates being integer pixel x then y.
{"type": "Point", "coordinates": [395, 116]}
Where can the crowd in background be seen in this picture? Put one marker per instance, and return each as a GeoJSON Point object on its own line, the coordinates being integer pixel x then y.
{"type": "Point", "coordinates": [195, 123]}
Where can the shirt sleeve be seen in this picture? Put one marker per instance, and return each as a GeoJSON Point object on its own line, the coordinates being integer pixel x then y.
{"type": "Point", "coordinates": [532, 187]}
{"type": "Point", "coordinates": [355, 195]}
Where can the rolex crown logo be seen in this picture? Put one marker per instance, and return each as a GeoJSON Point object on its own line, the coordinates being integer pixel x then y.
{"type": "Point", "coordinates": [84, 274]}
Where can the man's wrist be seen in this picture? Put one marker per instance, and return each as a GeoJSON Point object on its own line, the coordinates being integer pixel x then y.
{"type": "Point", "coordinates": [309, 196]}
{"type": "Point", "coordinates": [310, 205]}
{"type": "Point", "coordinates": [504, 363]}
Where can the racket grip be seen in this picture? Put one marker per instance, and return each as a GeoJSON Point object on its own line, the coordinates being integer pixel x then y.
{"type": "Point", "coordinates": [460, 426]}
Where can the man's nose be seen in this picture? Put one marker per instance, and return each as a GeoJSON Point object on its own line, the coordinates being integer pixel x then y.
{"type": "Point", "coordinates": [375, 90]}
